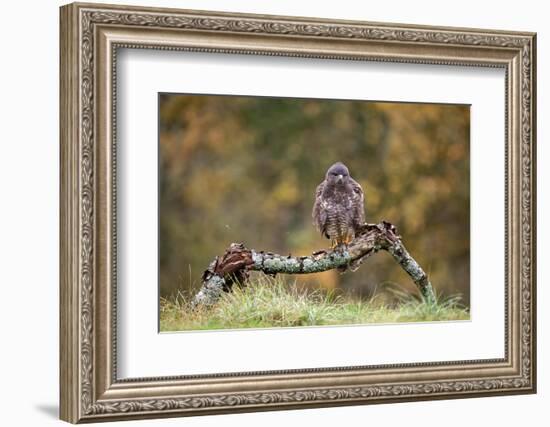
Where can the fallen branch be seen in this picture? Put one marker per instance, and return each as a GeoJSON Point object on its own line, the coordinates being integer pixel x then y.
{"type": "Point", "coordinates": [234, 265]}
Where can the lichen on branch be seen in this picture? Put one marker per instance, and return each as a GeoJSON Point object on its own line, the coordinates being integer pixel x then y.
{"type": "Point", "coordinates": [237, 261]}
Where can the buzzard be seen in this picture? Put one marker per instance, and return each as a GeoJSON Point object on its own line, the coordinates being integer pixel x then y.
{"type": "Point", "coordinates": [338, 211]}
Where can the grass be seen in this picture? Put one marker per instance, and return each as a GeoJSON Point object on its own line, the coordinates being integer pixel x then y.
{"type": "Point", "coordinates": [272, 302]}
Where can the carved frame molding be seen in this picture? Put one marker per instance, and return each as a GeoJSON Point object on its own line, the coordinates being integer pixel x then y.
{"type": "Point", "coordinates": [90, 37]}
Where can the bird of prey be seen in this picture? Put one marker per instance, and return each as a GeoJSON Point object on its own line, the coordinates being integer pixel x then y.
{"type": "Point", "coordinates": [338, 211]}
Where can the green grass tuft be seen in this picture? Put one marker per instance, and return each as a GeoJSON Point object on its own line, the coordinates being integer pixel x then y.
{"type": "Point", "coordinates": [272, 302]}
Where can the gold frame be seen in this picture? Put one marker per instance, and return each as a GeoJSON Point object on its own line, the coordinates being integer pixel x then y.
{"type": "Point", "coordinates": [90, 36]}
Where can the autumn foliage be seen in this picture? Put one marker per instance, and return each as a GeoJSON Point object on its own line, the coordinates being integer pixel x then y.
{"type": "Point", "coordinates": [244, 169]}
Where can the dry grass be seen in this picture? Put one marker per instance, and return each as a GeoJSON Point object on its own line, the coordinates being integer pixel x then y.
{"type": "Point", "coordinates": [268, 303]}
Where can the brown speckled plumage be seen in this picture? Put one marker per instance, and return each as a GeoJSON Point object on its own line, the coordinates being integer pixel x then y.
{"type": "Point", "coordinates": [338, 211]}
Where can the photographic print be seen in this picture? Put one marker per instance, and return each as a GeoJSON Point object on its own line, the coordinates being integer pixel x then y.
{"type": "Point", "coordinates": [287, 212]}
{"type": "Point", "coordinates": [303, 188]}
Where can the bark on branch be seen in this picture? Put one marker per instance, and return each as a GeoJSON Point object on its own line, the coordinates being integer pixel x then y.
{"type": "Point", "coordinates": [233, 266]}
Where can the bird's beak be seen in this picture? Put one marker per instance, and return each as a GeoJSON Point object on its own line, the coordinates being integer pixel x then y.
{"type": "Point", "coordinates": [340, 177]}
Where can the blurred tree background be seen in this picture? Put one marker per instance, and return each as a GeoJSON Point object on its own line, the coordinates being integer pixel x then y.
{"type": "Point", "coordinates": [245, 169]}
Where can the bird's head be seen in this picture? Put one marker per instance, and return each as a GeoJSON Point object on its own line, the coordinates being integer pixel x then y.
{"type": "Point", "coordinates": [338, 173]}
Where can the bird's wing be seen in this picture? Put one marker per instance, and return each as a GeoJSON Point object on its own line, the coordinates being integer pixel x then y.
{"type": "Point", "coordinates": [358, 203]}
{"type": "Point", "coordinates": [319, 213]}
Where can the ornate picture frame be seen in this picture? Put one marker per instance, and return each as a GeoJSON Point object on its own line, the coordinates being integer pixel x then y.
{"type": "Point", "coordinates": [90, 37]}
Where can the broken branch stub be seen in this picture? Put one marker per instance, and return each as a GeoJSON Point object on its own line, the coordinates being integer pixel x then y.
{"type": "Point", "coordinates": [233, 266]}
